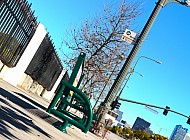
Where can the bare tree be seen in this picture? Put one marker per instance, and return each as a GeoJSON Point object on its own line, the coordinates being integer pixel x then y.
{"type": "Point", "coordinates": [100, 39]}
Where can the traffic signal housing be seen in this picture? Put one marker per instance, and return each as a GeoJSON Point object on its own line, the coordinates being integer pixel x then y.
{"type": "Point", "coordinates": [166, 110]}
{"type": "Point", "coordinates": [115, 104]}
{"type": "Point", "coordinates": [188, 121]}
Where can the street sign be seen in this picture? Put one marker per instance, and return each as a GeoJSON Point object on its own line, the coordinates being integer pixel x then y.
{"type": "Point", "coordinates": [151, 110]}
{"type": "Point", "coordinates": [129, 36]}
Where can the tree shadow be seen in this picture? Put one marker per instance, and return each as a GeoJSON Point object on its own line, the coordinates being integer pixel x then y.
{"type": "Point", "coordinates": [37, 112]}
{"type": "Point", "coordinates": [31, 106]}
{"type": "Point", "coordinates": [5, 132]}
{"type": "Point", "coordinates": [11, 117]}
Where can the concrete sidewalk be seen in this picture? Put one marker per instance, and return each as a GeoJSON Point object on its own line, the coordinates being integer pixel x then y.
{"type": "Point", "coordinates": [23, 117]}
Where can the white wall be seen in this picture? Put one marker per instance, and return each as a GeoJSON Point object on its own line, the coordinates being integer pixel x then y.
{"type": "Point", "coordinates": [14, 75]}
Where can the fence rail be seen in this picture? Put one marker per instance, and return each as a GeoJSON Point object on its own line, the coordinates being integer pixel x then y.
{"type": "Point", "coordinates": [45, 66]}
{"type": "Point", "coordinates": [17, 26]}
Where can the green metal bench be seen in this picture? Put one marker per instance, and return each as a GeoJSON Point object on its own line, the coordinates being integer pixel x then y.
{"type": "Point", "coordinates": [77, 100]}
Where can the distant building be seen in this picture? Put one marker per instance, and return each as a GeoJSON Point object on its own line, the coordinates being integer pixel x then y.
{"type": "Point", "coordinates": [123, 123]}
{"type": "Point", "coordinates": [141, 124]}
{"type": "Point", "coordinates": [120, 114]}
{"type": "Point", "coordinates": [187, 137]}
{"type": "Point", "coordinates": [148, 130]}
{"type": "Point", "coordinates": [112, 115]}
{"type": "Point", "coordinates": [178, 133]}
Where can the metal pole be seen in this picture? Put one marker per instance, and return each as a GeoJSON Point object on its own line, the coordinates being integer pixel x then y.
{"type": "Point", "coordinates": [133, 70]}
{"type": "Point", "coordinates": [140, 103]}
{"type": "Point", "coordinates": [121, 91]}
{"type": "Point", "coordinates": [122, 74]}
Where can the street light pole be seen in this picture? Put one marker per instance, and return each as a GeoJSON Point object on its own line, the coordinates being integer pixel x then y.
{"type": "Point", "coordinates": [146, 58]}
{"type": "Point", "coordinates": [126, 66]}
{"type": "Point", "coordinates": [133, 70]}
{"type": "Point", "coordinates": [130, 73]}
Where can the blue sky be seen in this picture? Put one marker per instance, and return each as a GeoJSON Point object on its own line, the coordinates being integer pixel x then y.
{"type": "Point", "coordinates": [168, 41]}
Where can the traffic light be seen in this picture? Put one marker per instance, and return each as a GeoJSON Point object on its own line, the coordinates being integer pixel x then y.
{"type": "Point", "coordinates": [166, 110]}
{"type": "Point", "coordinates": [188, 121]}
{"type": "Point", "coordinates": [115, 104]}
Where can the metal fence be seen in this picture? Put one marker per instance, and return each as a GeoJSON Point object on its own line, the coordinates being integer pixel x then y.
{"type": "Point", "coordinates": [17, 26]}
{"type": "Point", "coordinates": [45, 66]}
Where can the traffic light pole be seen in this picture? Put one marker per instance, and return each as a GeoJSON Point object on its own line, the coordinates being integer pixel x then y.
{"type": "Point", "coordinates": [167, 108]}
{"type": "Point", "coordinates": [115, 104]}
{"type": "Point", "coordinates": [126, 66]}
{"type": "Point", "coordinates": [105, 106]}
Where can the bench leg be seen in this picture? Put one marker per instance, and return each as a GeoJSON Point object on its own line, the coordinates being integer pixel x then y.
{"type": "Point", "coordinates": [63, 126]}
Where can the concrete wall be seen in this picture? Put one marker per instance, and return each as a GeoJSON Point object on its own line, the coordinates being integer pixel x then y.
{"type": "Point", "coordinates": [4, 70]}
{"type": "Point", "coordinates": [32, 86]}
{"type": "Point", "coordinates": [27, 83]}
{"type": "Point", "coordinates": [14, 75]}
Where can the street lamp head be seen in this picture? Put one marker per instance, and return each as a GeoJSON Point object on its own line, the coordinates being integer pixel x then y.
{"type": "Point", "coordinates": [158, 62]}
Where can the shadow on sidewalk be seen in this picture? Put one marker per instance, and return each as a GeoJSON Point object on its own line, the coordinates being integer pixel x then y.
{"type": "Point", "coordinates": [39, 110]}
{"type": "Point", "coordinates": [10, 116]}
{"type": "Point", "coordinates": [30, 100]}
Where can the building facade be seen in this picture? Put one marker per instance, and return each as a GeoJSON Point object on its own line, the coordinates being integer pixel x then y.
{"type": "Point", "coordinates": [124, 124]}
{"type": "Point", "coordinates": [141, 124]}
{"type": "Point", "coordinates": [178, 133]}
{"type": "Point", "coordinates": [120, 114]}
{"type": "Point", "coordinates": [111, 115]}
